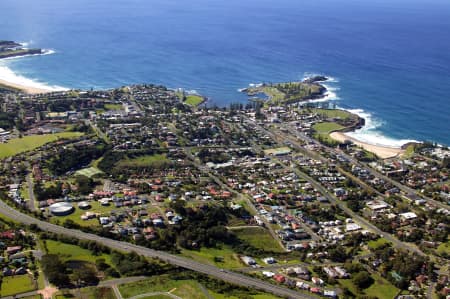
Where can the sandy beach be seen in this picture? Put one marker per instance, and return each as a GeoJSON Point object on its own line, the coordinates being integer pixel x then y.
{"type": "Point", "coordinates": [26, 89]}
{"type": "Point", "coordinates": [383, 152]}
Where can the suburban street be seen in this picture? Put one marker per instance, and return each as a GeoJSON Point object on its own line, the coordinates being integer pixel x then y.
{"type": "Point", "coordinates": [342, 205]}
{"type": "Point", "coordinates": [226, 275]}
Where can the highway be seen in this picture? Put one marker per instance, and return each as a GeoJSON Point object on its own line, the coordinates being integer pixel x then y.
{"type": "Point", "coordinates": [225, 275]}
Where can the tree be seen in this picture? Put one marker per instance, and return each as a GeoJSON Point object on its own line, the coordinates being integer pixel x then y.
{"type": "Point", "coordinates": [55, 270]}
{"type": "Point", "coordinates": [84, 184]}
{"type": "Point", "coordinates": [362, 280]}
{"type": "Point", "coordinates": [84, 275]}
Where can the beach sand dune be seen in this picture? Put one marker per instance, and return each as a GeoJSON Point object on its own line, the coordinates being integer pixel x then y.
{"type": "Point", "coordinates": [383, 152]}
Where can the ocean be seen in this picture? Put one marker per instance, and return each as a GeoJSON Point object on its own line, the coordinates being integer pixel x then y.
{"type": "Point", "coordinates": [389, 59]}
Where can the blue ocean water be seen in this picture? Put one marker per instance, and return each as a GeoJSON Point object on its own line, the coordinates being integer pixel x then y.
{"type": "Point", "coordinates": [390, 59]}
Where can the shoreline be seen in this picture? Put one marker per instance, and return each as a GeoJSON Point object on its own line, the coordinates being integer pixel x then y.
{"type": "Point", "coordinates": [24, 88]}
{"type": "Point", "coordinates": [384, 152]}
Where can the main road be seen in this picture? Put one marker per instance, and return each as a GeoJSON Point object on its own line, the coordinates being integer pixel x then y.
{"type": "Point", "coordinates": [226, 275]}
{"type": "Point", "coordinates": [397, 243]}
{"type": "Point", "coordinates": [411, 194]}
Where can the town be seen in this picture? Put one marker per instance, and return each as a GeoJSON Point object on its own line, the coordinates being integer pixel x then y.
{"type": "Point", "coordinates": [258, 190]}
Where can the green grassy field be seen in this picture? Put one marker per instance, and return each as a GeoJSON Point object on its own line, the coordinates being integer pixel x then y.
{"type": "Point", "coordinates": [375, 244]}
{"type": "Point", "coordinates": [444, 248]}
{"type": "Point", "coordinates": [96, 207]}
{"type": "Point", "coordinates": [230, 259]}
{"type": "Point", "coordinates": [28, 143]}
{"type": "Point", "coordinates": [89, 172]}
{"type": "Point", "coordinates": [187, 289]}
{"type": "Point", "coordinates": [285, 92]}
{"type": "Point", "coordinates": [333, 113]}
{"type": "Point", "coordinates": [258, 237]}
{"type": "Point", "coordinates": [381, 288]}
{"type": "Point", "coordinates": [16, 284]}
{"type": "Point", "coordinates": [326, 127]}
{"type": "Point", "coordinates": [113, 106]}
{"type": "Point", "coordinates": [193, 100]}
{"type": "Point", "coordinates": [323, 130]}
{"type": "Point", "coordinates": [69, 252]}
{"type": "Point", "coordinates": [146, 160]}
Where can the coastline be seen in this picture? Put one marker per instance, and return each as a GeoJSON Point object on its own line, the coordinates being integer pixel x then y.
{"type": "Point", "coordinates": [24, 88]}
{"type": "Point", "coordinates": [327, 94]}
{"type": "Point", "coordinates": [384, 152]}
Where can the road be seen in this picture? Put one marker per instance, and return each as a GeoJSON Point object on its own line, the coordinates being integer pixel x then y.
{"type": "Point", "coordinates": [31, 204]}
{"type": "Point", "coordinates": [410, 193]}
{"type": "Point", "coordinates": [240, 196]}
{"type": "Point", "coordinates": [225, 275]}
{"type": "Point", "coordinates": [341, 205]}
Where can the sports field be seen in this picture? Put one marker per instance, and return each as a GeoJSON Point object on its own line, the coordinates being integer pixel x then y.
{"type": "Point", "coordinates": [89, 172]}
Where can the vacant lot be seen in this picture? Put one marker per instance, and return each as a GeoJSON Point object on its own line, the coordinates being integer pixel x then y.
{"type": "Point", "coordinates": [381, 288]}
{"type": "Point", "coordinates": [223, 257]}
{"type": "Point", "coordinates": [187, 289]}
{"type": "Point", "coordinates": [144, 161]}
{"type": "Point", "coordinates": [69, 252]}
{"type": "Point", "coordinates": [113, 106]}
{"type": "Point", "coordinates": [16, 284]}
{"type": "Point", "coordinates": [28, 143]}
{"type": "Point", "coordinates": [258, 237]}
{"type": "Point", "coordinates": [375, 244]}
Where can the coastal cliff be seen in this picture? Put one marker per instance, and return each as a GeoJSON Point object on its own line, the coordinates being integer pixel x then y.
{"type": "Point", "coordinates": [289, 92]}
{"type": "Point", "coordinates": [12, 49]}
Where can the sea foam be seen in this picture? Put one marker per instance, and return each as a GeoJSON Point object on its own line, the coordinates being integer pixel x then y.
{"type": "Point", "coordinates": [371, 134]}
{"type": "Point", "coordinates": [6, 74]}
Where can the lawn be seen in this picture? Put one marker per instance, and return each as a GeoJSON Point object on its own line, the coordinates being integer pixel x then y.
{"type": "Point", "coordinates": [258, 237]}
{"type": "Point", "coordinates": [69, 252]}
{"type": "Point", "coordinates": [89, 172]}
{"type": "Point", "coordinates": [332, 113]}
{"type": "Point", "coordinates": [96, 207]}
{"type": "Point", "coordinates": [187, 289]}
{"type": "Point", "coordinates": [193, 100]}
{"type": "Point", "coordinates": [16, 285]}
{"type": "Point", "coordinates": [113, 107]}
{"type": "Point", "coordinates": [28, 143]}
{"type": "Point", "coordinates": [381, 288]}
{"type": "Point", "coordinates": [141, 161]}
{"type": "Point", "coordinates": [375, 244]}
{"type": "Point", "coordinates": [444, 248]}
{"type": "Point", "coordinates": [323, 130]}
{"type": "Point", "coordinates": [206, 255]}
{"type": "Point", "coordinates": [326, 127]}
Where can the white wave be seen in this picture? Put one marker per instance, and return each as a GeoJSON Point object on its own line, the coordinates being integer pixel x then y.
{"type": "Point", "coordinates": [44, 52]}
{"type": "Point", "coordinates": [370, 133]}
{"type": "Point", "coordinates": [26, 44]}
{"type": "Point", "coordinates": [330, 79]}
{"type": "Point", "coordinates": [6, 74]}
